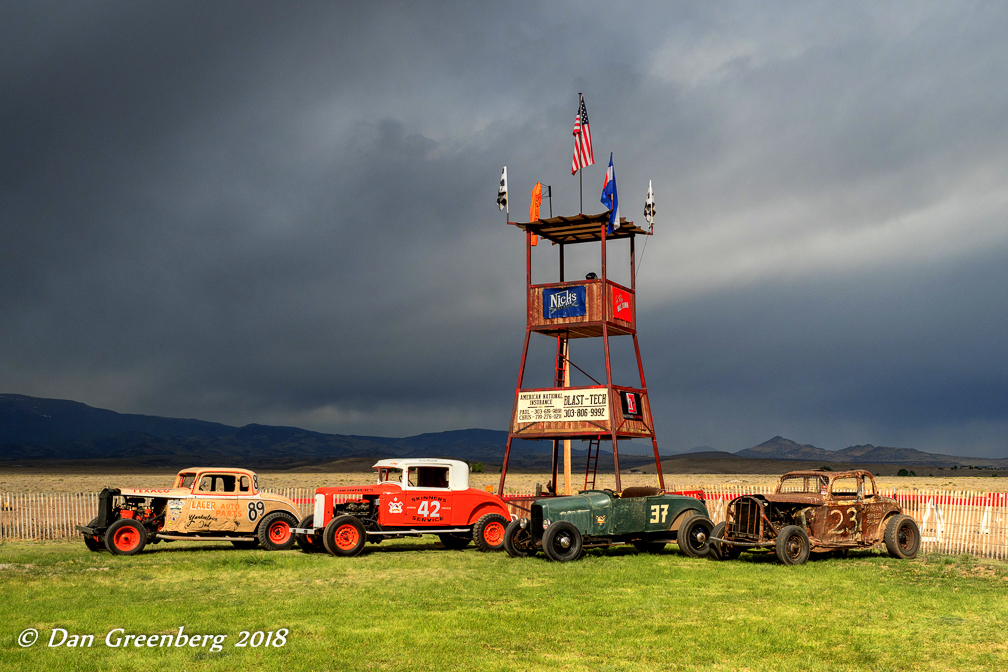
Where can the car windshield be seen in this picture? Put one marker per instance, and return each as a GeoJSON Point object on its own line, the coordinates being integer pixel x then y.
{"type": "Point", "coordinates": [802, 484]}
{"type": "Point", "coordinates": [389, 475]}
{"type": "Point", "coordinates": [185, 480]}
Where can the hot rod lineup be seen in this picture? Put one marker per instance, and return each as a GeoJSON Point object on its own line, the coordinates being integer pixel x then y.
{"type": "Point", "coordinates": [412, 497]}
{"type": "Point", "coordinates": [813, 512]}
{"type": "Point", "coordinates": [646, 517]}
{"type": "Point", "coordinates": [212, 504]}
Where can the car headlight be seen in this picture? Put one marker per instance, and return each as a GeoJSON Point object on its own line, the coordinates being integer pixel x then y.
{"type": "Point", "coordinates": [523, 523]}
{"type": "Point", "coordinates": [546, 523]}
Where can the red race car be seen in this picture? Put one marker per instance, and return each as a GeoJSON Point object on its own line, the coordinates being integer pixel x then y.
{"type": "Point", "coordinates": [412, 497]}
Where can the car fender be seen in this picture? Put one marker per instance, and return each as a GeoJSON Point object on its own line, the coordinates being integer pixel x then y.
{"type": "Point", "coordinates": [489, 507]}
{"type": "Point", "coordinates": [683, 515]}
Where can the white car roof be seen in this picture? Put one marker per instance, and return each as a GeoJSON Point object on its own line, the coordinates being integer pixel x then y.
{"type": "Point", "coordinates": [458, 470]}
{"type": "Point", "coordinates": [407, 462]}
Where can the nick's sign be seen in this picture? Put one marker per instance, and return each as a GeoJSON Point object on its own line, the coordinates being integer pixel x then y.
{"type": "Point", "coordinates": [564, 302]}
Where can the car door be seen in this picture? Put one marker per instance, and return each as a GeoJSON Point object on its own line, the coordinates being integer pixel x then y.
{"type": "Point", "coordinates": [214, 504]}
{"type": "Point", "coordinates": [842, 526]}
{"type": "Point", "coordinates": [428, 499]}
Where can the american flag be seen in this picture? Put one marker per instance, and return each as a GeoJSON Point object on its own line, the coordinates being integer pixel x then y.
{"type": "Point", "coordinates": [582, 140]}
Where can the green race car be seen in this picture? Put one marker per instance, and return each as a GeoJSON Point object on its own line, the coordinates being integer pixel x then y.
{"type": "Point", "coordinates": [648, 518]}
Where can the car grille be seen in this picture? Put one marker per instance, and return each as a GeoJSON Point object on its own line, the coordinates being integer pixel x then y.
{"type": "Point", "coordinates": [745, 519]}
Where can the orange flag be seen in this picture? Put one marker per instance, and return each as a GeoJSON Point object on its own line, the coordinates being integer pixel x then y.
{"type": "Point", "coordinates": [534, 208]}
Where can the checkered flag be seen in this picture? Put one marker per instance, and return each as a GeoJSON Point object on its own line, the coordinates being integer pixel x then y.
{"type": "Point", "coordinates": [649, 207]}
{"type": "Point", "coordinates": [502, 192]}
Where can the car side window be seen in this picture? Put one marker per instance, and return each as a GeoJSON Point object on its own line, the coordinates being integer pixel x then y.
{"type": "Point", "coordinates": [225, 484]}
{"type": "Point", "coordinates": [845, 488]}
{"type": "Point", "coordinates": [428, 477]}
{"type": "Point", "coordinates": [206, 484]}
{"type": "Point", "coordinates": [868, 487]}
{"type": "Point", "coordinates": [244, 484]}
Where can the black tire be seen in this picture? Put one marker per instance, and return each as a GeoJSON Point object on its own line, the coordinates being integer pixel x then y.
{"type": "Point", "coordinates": [902, 537]}
{"type": "Point", "coordinates": [693, 536]}
{"type": "Point", "coordinates": [518, 541]}
{"type": "Point", "coordinates": [125, 537]}
{"type": "Point", "coordinates": [453, 541]}
{"type": "Point", "coordinates": [488, 532]}
{"type": "Point", "coordinates": [245, 544]}
{"type": "Point", "coordinates": [275, 531]}
{"type": "Point", "coordinates": [792, 545]}
{"type": "Point", "coordinates": [92, 543]}
{"type": "Point", "coordinates": [344, 536]}
{"type": "Point", "coordinates": [309, 543]}
{"type": "Point", "coordinates": [645, 546]}
{"type": "Point", "coordinates": [562, 542]}
{"type": "Point", "coordinates": [722, 551]}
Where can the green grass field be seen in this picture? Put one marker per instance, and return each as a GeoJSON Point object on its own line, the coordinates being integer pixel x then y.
{"type": "Point", "coordinates": [414, 606]}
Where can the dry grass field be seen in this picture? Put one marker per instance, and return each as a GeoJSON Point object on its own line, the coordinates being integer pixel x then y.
{"type": "Point", "coordinates": [65, 480]}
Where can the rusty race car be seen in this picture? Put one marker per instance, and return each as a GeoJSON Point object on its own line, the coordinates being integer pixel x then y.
{"type": "Point", "coordinates": [210, 504]}
{"type": "Point", "coordinates": [814, 512]}
{"type": "Point", "coordinates": [646, 517]}
{"type": "Point", "coordinates": [412, 497]}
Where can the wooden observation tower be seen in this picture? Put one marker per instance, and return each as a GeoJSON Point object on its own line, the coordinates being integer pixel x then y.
{"type": "Point", "coordinates": [590, 308]}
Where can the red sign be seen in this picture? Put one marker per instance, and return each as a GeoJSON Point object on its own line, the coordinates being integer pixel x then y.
{"type": "Point", "coordinates": [621, 305]}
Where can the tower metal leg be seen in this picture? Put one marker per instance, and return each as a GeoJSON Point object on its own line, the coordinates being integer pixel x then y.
{"type": "Point", "coordinates": [514, 407]}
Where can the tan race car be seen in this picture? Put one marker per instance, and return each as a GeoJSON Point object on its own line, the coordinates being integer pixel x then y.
{"type": "Point", "coordinates": [209, 504]}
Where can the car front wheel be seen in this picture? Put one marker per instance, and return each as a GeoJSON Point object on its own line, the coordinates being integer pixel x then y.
{"type": "Point", "coordinates": [125, 537]}
{"type": "Point", "coordinates": [344, 536]}
{"type": "Point", "coordinates": [91, 542]}
{"type": "Point", "coordinates": [275, 531]}
{"type": "Point", "coordinates": [518, 540]}
{"type": "Point", "coordinates": [562, 541]}
{"type": "Point", "coordinates": [309, 543]}
{"type": "Point", "coordinates": [793, 545]}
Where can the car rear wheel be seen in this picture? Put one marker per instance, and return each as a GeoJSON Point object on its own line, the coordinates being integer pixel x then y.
{"type": "Point", "coordinates": [645, 546]}
{"type": "Point", "coordinates": [92, 542]}
{"type": "Point", "coordinates": [454, 542]}
{"type": "Point", "coordinates": [792, 545]}
{"type": "Point", "coordinates": [562, 542]}
{"type": "Point", "coordinates": [488, 532]}
{"type": "Point", "coordinates": [275, 531]}
{"type": "Point", "coordinates": [125, 537]}
{"type": "Point", "coordinates": [694, 536]}
{"type": "Point", "coordinates": [902, 537]}
{"type": "Point", "coordinates": [518, 541]}
{"type": "Point", "coordinates": [344, 536]}
{"type": "Point", "coordinates": [309, 543]}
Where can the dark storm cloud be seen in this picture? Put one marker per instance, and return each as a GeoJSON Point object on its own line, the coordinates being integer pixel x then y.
{"type": "Point", "coordinates": [258, 213]}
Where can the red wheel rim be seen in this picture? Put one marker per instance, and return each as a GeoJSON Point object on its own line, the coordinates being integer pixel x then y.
{"type": "Point", "coordinates": [493, 533]}
{"type": "Point", "coordinates": [126, 538]}
{"type": "Point", "coordinates": [279, 532]}
{"type": "Point", "coordinates": [346, 537]}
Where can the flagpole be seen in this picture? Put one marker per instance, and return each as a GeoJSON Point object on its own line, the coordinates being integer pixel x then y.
{"type": "Point", "coordinates": [581, 189]}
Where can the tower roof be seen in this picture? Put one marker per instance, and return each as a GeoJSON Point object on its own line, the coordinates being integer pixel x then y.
{"type": "Point", "coordinates": [579, 228]}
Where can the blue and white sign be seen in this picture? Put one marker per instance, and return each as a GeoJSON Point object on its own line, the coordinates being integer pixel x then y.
{"type": "Point", "coordinates": [564, 302]}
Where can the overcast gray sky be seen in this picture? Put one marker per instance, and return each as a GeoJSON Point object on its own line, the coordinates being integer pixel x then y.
{"type": "Point", "coordinates": [285, 213]}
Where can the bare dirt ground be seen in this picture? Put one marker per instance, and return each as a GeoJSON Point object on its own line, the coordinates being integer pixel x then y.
{"type": "Point", "coordinates": [41, 480]}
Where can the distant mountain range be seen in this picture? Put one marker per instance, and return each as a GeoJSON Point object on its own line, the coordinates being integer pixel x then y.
{"type": "Point", "coordinates": [38, 429]}
{"type": "Point", "coordinates": [779, 448]}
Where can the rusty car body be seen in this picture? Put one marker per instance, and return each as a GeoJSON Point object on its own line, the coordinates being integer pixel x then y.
{"type": "Point", "coordinates": [813, 512]}
{"type": "Point", "coordinates": [203, 503]}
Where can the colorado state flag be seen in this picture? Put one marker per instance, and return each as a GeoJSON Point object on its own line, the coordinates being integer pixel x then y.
{"type": "Point", "coordinates": [609, 197]}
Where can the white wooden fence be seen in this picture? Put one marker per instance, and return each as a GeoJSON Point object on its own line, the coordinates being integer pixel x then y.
{"type": "Point", "coordinates": [950, 521]}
